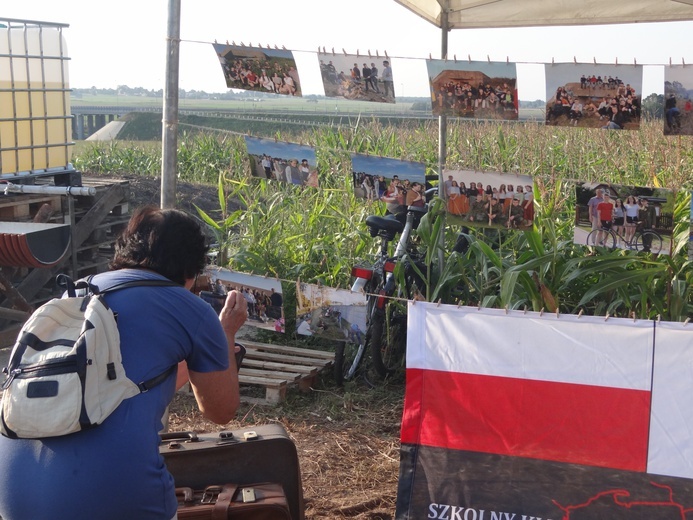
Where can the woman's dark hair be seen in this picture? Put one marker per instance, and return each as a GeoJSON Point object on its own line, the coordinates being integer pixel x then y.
{"type": "Point", "coordinates": [167, 241]}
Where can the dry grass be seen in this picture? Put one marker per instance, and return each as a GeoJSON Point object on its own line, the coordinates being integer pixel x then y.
{"type": "Point", "coordinates": [347, 441]}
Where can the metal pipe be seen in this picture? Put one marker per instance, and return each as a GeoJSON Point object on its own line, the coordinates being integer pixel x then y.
{"type": "Point", "coordinates": [50, 190]}
{"type": "Point", "coordinates": [169, 137]}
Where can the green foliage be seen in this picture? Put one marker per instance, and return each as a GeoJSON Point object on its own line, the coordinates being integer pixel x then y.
{"type": "Point", "coordinates": [317, 235]}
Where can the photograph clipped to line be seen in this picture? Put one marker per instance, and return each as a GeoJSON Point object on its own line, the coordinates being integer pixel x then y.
{"type": "Point", "coordinates": [272, 71]}
{"type": "Point", "coordinates": [263, 295]}
{"type": "Point", "coordinates": [489, 199]}
{"type": "Point", "coordinates": [594, 96]}
{"type": "Point", "coordinates": [358, 78]}
{"type": "Point", "coordinates": [473, 89]}
{"type": "Point", "coordinates": [396, 183]}
{"type": "Point", "coordinates": [690, 235]}
{"type": "Point", "coordinates": [336, 314]}
{"type": "Point", "coordinates": [281, 161]}
{"type": "Point", "coordinates": [611, 216]}
{"type": "Point", "coordinates": [678, 106]}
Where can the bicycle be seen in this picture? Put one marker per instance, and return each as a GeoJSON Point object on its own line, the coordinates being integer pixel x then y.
{"type": "Point", "coordinates": [385, 316]}
{"type": "Point", "coordinates": [646, 240]}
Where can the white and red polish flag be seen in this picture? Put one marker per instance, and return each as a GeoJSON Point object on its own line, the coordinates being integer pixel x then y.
{"type": "Point", "coordinates": [545, 416]}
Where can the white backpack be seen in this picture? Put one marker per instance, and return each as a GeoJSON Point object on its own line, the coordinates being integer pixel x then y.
{"type": "Point", "coordinates": [65, 373]}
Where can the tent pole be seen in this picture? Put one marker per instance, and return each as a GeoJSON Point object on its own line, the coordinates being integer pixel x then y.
{"type": "Point", "coordinates": [442, 132]}
{"type": "Point", "coordinates": [169, 132]}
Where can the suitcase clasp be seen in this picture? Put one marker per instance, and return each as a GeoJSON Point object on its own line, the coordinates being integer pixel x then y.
{"type": "Point", "coordinates": [210, 494]}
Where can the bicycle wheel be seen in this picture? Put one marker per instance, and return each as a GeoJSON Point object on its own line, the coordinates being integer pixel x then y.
{"type": "Point", "coordinates": [602, 238]}
{"type": "Point", "coordinates": [648, 242]}
{"type": "Point", "coordinates": [388, 336]}
{"type": "Point", "coordinates": [347, 359]}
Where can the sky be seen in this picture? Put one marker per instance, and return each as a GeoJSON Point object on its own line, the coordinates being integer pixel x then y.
{"type": "Point", "coordinates": [124, 42]}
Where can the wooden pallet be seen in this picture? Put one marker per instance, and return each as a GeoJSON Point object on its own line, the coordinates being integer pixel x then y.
{"type": "Point", "coordinates": [275, 367]}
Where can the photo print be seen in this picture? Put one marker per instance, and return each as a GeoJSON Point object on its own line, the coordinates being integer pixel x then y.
{"type": "Point", "coordinates": [336, 314]}
{"type": "Point", "coordinates": [690, 235]}
{"type": "Point", "coordinates": [361, 78]}
{"type": "Point", "coordinates": [594, 96]}
{"type": "Point", "coordinates": [473, 89]}
{"type": "Point", "coordinates": [281, 161]}
{"type": "Point", "coordinates": [271, 71]}
{"type": "Point", "coordinates": [263, 295]}
{"type": "Point", "coordinates": [490, 199]}
{"type": "Point", "coordinates": [678, 104]}
{"type": "Point", "coordinates": [396, 183]}
{"type": "Point", "coordinates": [625, 217]}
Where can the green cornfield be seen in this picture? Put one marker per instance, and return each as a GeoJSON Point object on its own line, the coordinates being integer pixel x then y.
{"type": "Point", "coordinates": [275, 229]}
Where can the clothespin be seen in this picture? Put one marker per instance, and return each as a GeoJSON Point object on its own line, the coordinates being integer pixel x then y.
{"type": "Point", "coordinates": [439, 302]}
{"type": "Point", "coordinates": [635, 63]}
{"type": "Point", "coordinates": [541, 312]}
{"type": "Point", "coordinates": [377, 55]}
{"type": "Point", "coordinates": [369, 53]}
{"type": "Point", "coordinates": [595, 60]}
{"type": "Point", "coordinates": [574, 60]}
{"type": "Point", "coordinates": [580, 313]}
{"type": "Point", "coordinates": [607, 316]}
{"type": "Point", "coordinates": [357, 53]}
{"type": "Point", "coordinates": [323, 49]}
{"type": "Point", "coordinates": [344, 51]}
{"type": "Point", "coordinates": [332, 51]}
{"type": "Point", "coordinates": [551, 61]}
{"type": "Point", "coordinates": [686, 322]}
{"type": "Point", "coordinates": [616, 60]}
{"type": "Point", "coordinates": [506, 309]}
{"type": "Point", "coordinates": [386, 55]}
{"type": "Point", "coordinates": [459, 303]}
{"type": "Point", "coordinates": [488, 58]}
{"type": "Point", "coordinates": [283, 48]}
{"type": "Point", "coordinates": [215, 42]}
{"type": "Point", "coordinates": [454, 56]}
{"type": "Point", "coordinates": [242, 44]}
{"type": "Point", "coordinates": [557, 313]}
{"type": "Point", "coordinates": [632, 315]}
{"type": "Point", "coordinates": [429, 56]}
{"type": "Point", "coordinates": [469, 58]}
{"type": "Point", "coordinates": [507, 60]}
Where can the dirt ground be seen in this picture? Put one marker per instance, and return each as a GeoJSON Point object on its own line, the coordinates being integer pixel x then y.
{"type": "Point", "coordinates": [347, 438]}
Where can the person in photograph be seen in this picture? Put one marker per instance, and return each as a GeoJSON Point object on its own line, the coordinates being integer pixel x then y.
{"type": "Point", "coordinates": [304, 328]}
{"type": "Point", "coordinates": [374, 78]}
{"type": "Point", "coordinates": [477, 210]}
{"type": "Point", "coordinates": [454, 199]}
{"type": "Point", "coordinates": [415, 196]}
{"type": "Point", "coordinates": [447, 184]}
{"type": "Point", "coordinates": [605, 211]}
{"type": "Point", "coordinates": [367, 185]}
{"type": "Point", "coordinates": [391, 199]}
{"type": "Point", "coordinates": [266, 81]}
{"type": "Point", "coordinates": [575, 112]}
{"type": "Point", "coordinates": [528, 204]}
{"type": "Point", "coordinates": [631, 207]}
{"type": "Point", "coordinates": [520, 194]}
{"type": "Point", "coordinates": [617, 119]}
{"type": "Point", "coordinates": [671, 111]}
{"type": "Point", "coordinates": [509, 197]}
{"type": "Point", "coordinates": [388, 84]}
{"type": "Point", "coordinates": [267, 166]}
{"type": "Point", "coordinates": [619, 219]}
{"type": "Point", "coordinates": [647, 218]}
{"type": "Point", "coordinates": [502, 195]}
{"type": "Point", "coordinates": [488, 192]}
{"type": "Point", "coordinates": [293, 173]}
{"type": "Point", "coordinates": [305, 170]}
{"type": "Point", "coordinates": [493, 211]}
{"type": "Point", "coordinates": [366, 75]}
{"type": "Point", "coordinates": [472, 192]}
{"type": "Point", "coordinates": [356, 73]}
{"type": "Point", "coordinates": [464, 199]}
{"type": "Point", "coordinates": [516, 214]}
{"type": "Point", "coordinates": [590, 109]}
{"type": "Point", "coordinates": [592, 208]}
{"type": "Point", "coordinates": [312, 180]}
{"type": "Point", "coordinates": [276, 309]}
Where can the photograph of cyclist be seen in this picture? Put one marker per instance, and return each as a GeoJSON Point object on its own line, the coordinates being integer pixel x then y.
{"type": "Point", "coordinates": [335, 314]}
{"type": "Point", "coordinates": [610, 216]}
{"type": "Point", "coordinates": [281, 161]}
{"type": "Point", "coordinates": [488, 199]}
{"type": "Point", "coordinates": [678, 106]}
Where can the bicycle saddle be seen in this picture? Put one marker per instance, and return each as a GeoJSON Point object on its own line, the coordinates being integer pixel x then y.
{"type": "Point", "coordinates": [389, 224]}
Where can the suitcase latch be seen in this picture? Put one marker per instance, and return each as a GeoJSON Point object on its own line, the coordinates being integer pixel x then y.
{"type": "Point", "coordinates": [248, 495]}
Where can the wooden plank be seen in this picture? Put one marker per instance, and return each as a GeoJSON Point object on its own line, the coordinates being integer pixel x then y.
{"type": "Point", "coordinates": [271, 365]}
{"type": "Point", "coordinates": [271, 374]}
{"type": "Point", "coordinates": [298, 360]}
{"type": "Point", "coordinates": [262, 381]}
{"type": "Point", "coordinates": [305, 352]}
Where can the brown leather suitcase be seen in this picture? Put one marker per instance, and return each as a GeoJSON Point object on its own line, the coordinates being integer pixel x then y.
{"type": "Point", "coordinates": [263, 453]}
{"type": "Point", "coordinates": [264, 501]}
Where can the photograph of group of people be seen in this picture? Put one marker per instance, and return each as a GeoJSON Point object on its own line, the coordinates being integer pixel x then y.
{"type": "Point", "coordinates": [335, 314]}
{"type": "Point", "coordinates": [678, 104]}
{"type": "Point", "coordinates": [625, 210]}
{"type": "Point", "coordinates": [489, 199]}
{"type": "Point", "coordinates": [594, 96]}
{"type": "Point", "coordinates": [398, 184]}
{"type": "Point", "coordinates": [281, 161]}
{"type": "Point", "coordinates": [362, 78]}
{"type": "Point", "coordinates": [263, 295]}
{"type": "Point", "coordinates": [473, 89]}
{"type": "Point", "coordinates": [262, 70]}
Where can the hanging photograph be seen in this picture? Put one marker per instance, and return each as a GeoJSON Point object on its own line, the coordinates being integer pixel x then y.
{"type": "Point", "coordinates": [281, 161]}
{"type": "Point", "coordinates": [678, 107]}
{"type": "Point", "coordinates": [272, 71]}
{"type": "Point", "coordinates": [360, 78]}
{"type": "Point", "coordinates": [611, 216]}
{"type": "Point", "coordinates": [336, 314]}
{"type": "Point", "coordinates": [474, 89]}
{"type": "Point", "coordinates": [490, 199]}
{"type": "Point", "coordinates": [396, 183]}
{"type": "Point", "coordinates": [263, 295]}
{"type": "Point", "coordinates": [594, 96]}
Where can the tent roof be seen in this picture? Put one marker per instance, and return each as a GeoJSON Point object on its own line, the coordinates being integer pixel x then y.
{"type": "Point", "coordinates": [476, 14]}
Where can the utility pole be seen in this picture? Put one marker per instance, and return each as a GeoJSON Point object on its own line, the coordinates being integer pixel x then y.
{"type": "Point", "coordinates": [169, 133]}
